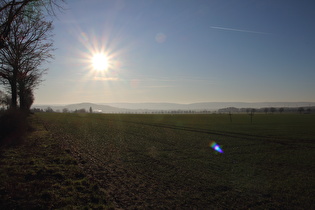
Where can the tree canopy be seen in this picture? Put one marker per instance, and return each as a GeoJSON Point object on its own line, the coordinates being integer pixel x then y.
{"type": "Point", "coordinates": [11, 9]}
{"type": "Point", "coordinates": [25, 43]}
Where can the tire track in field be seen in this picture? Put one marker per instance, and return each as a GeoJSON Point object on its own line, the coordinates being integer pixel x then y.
{"type": "Point", "coordinates": [199, 130]}
{"type": "Point", "coordinates": [142, 196]}
{"type": "Point", "coordinates": [111, 175]}
{"type": "Point", "coordinates": [185, 174]}
{"type": "Point", "coordinates": [131, 188]}
{"type": "Point", "coordinates": [267, 139]}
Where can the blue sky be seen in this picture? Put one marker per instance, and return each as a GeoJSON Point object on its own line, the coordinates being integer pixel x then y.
{"type": "Point", "coordinates": [183, 51]}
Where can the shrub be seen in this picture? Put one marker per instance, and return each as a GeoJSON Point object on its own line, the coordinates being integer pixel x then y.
{"type": "Point", "coordinates": [13, 127]}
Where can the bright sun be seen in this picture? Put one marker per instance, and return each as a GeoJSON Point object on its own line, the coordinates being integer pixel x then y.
{"type": "Point", "coordinates": [100, 62]}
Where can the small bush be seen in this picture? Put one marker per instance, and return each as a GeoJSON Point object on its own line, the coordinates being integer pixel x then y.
{"type": "Point", "coordinates": [13, 127]}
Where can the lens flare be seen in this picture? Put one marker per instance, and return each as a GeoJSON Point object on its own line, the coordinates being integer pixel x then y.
{"type": "Point", "coordinates": [215, 146]}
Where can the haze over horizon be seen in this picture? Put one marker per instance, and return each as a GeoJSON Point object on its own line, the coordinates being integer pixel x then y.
{"type": "Point", "coordinates": [182, 51]}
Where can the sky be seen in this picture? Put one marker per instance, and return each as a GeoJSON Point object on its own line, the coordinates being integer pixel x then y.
{"type": "Point", "coordinates": [182, 51]}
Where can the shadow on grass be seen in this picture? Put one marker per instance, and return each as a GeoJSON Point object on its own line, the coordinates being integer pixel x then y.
{"type": "Point", "coordinates": [13, 128]}
{"type": "Point", "coordinates": [40, 174]}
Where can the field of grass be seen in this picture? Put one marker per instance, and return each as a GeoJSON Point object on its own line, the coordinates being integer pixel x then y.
{"type": "Point", "coordinates": [164, 161]}
{"type": "Point", "coordinates": [39, 174]}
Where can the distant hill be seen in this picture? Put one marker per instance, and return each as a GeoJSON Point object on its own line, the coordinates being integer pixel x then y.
{"type": "Point", "coordinates": [72, 107]}
{"type": "Point", "coordinates": [95, 107]}
{"type": "Point", "coordinates": [142, 107]}
{"type": "Point", "coordinates": [212, 106]}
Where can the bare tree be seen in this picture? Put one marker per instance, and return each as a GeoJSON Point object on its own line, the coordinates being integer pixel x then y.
{"type": "Point", "coordinates": [272, 110]}
{"type": "Point", "coordinates": [301, 110]}
{"type": "Point", "coordinates": [266, 110]}
{"type": "Point", "coordinates": [12, 9]}
{"type": "Point", "coordinates": [252, 112]}
{"type": "Point", "coordinates": [281, 110]}
{"type": "Point", "coordinates": [49, 109]}
{"type": "Point", "coordinates": [29, 45]}
{"type": "Point", "coordinates": [26, 99]}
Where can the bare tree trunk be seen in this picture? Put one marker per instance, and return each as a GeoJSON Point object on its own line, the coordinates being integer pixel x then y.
{"type": "Point", "coordinates": [14, 90]}
{"type": "Point", "coordinates": [22, 97]}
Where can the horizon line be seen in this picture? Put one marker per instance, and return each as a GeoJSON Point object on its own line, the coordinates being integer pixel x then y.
{"type": "Point", "coordinates": [99, 103]}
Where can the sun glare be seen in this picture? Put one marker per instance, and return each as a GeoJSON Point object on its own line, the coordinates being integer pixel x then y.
{"type": "Point", "coordinates": [100, 62]}
{"type": "Point", "coordinates": [99, 58]}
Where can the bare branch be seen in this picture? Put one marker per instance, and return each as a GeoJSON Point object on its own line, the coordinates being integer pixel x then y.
{"type": "Point", "coordinates": [11, 9]}
{"type": "Point", "coordinates": [29, 45]}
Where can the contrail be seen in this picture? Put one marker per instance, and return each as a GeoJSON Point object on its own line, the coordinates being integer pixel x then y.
{"type": "Point", "coordinates": [238, 30]}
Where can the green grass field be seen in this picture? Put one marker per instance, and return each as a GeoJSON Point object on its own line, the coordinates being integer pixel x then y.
{"type": "Point", "coordinates": [164, 161]}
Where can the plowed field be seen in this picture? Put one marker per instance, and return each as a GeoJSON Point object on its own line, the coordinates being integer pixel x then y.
{"type": "Point", "coordinates": [164, 161]}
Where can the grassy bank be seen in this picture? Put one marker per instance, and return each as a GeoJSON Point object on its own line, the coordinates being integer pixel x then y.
{"type": "Point", "coordinates": [40, 174]}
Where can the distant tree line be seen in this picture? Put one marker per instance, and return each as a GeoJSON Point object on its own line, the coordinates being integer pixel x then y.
{"type": "Point", "coordinates": [170, 112]}
{"type": "Point", "coordinates": [90, 110]}
{"type": "Point", "coordinates": [269, 110]}
{"type": "Point", "coordinates": [229, 110]}
{"type": "Point", "coordinates": [64, 110]}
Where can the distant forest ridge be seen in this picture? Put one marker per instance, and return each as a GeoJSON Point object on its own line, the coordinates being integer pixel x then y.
{"type": "Point", "coordinates": [184, 108]}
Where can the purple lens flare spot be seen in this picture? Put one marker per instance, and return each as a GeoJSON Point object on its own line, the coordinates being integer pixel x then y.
{"type": "Point", "coordinates": [215, 146]}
